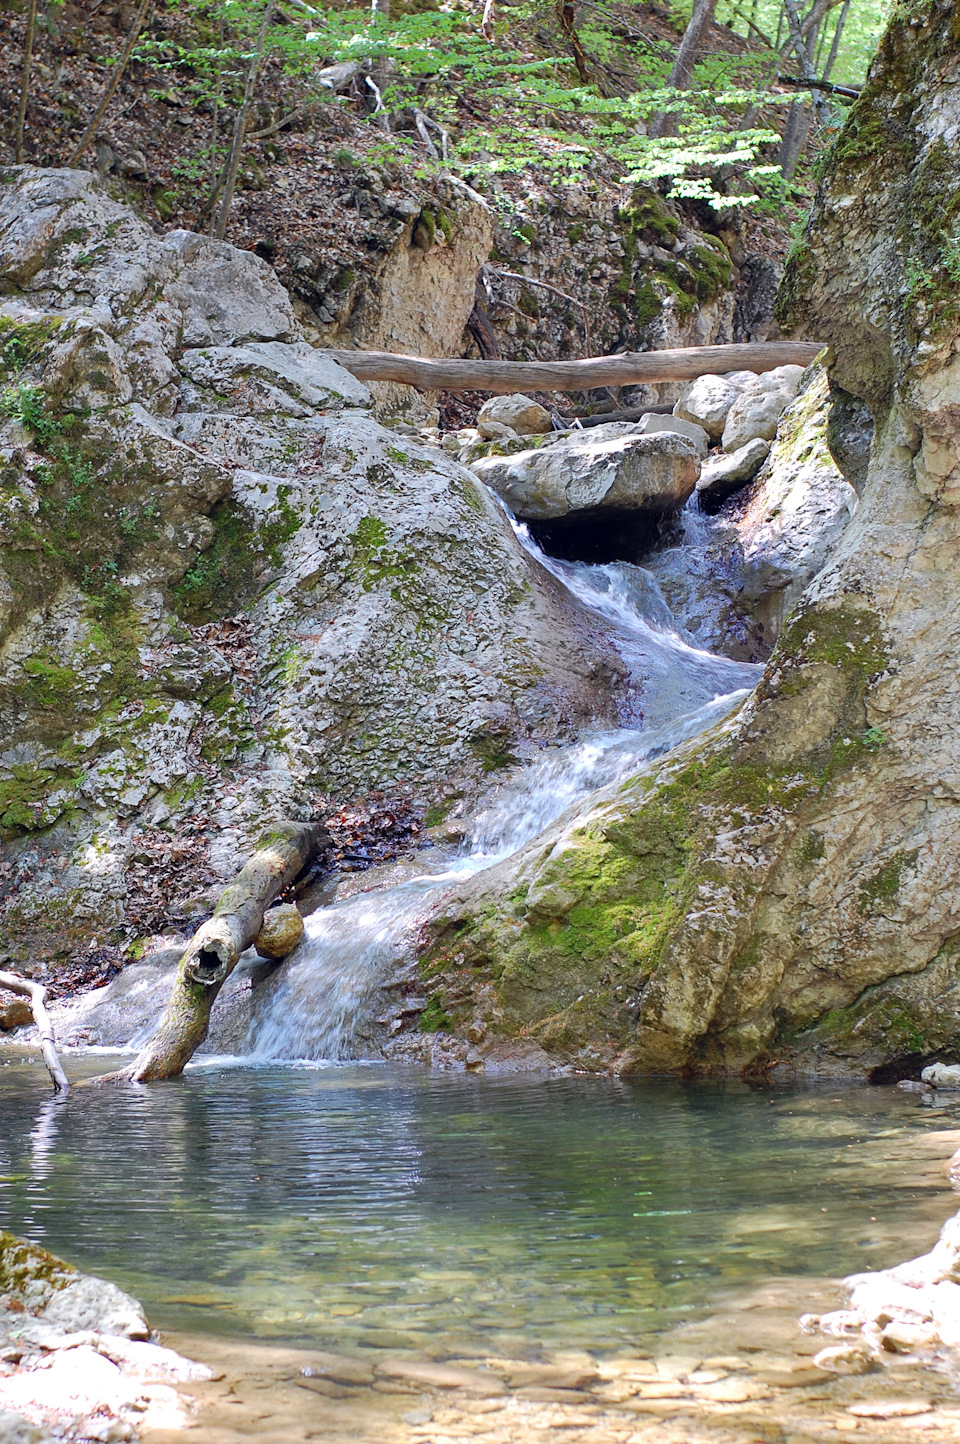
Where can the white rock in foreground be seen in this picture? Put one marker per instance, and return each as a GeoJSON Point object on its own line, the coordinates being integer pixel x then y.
{"type": "Point", "coordinates": [620, 473]}
{"type": "Point", "coordinates": [915, 1305]}
{"type": "Point", "coordinates": [82, 1355]}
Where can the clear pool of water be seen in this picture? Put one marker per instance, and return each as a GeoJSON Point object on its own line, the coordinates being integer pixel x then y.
{"type": "Point", "coordinates": [368, 1205]}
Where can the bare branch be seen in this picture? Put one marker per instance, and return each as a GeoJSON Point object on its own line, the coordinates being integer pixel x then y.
{"type": "Point", "coordinates": [37, 993]}
{"type": "Point", "coordinates": [25, 82]}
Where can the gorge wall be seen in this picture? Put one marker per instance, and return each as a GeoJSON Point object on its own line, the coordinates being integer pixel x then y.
{"type": "Point", "coordinates": [784, 894]}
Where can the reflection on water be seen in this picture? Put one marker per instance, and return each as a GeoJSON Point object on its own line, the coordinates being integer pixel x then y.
{"type": "Point", "coordinates": [375, 1206]}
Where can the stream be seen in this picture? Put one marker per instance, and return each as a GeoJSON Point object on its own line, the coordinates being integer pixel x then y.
{"type": "Point", "coordinates": [296, 1189]}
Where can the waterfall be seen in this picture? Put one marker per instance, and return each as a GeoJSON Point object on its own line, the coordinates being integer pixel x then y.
{"type": "Point", "coordinates": [322, 1003]}
{"type": "Point", "coordinates": [315, 1006]}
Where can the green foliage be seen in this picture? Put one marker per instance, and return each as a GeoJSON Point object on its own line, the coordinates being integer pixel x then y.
{"type": "Point", "coordinates": [434, 1019]}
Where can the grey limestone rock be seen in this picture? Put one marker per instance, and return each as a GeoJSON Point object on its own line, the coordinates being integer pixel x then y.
{"type": "Point", "coordinates": [652, 425]}
{"type": "Point", "coordinates": [757, 410]}
{"type": "Point", "coordinates": [719, 478]}
{"type": "Point", "coordinates": [525, 417]}
{"type": "Point", "coordinates": [625, 472]}
{"type": "Point", "coordinates": [706, 402]}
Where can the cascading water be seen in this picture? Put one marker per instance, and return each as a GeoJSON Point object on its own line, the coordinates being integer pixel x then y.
{"type": "Point", "coordinates": [315, 1006]}
{"type": "Point", "coordinates": [321, 1004]}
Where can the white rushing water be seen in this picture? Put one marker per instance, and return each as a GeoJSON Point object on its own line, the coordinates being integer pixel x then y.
{"type": "Point", "coordinates": [315, 1006]}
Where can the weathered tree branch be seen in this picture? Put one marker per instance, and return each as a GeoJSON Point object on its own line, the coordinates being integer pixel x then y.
{"type": "Point", "coordinates": [215, 949]}
{"type": "Point", "coordinates": [37, 993]}
{"type": "Point", "coordinates": [632, 369]}
{"type": "Point", "coordinates": [847, 92]}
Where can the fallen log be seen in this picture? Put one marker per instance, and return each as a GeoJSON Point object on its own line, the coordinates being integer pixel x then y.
{"type": "Point", "coordinates": [215, 948]}
{"type": "Point", "coordinates": [634, 368]}
{"type": "Point", "coordinates": [37, 995]}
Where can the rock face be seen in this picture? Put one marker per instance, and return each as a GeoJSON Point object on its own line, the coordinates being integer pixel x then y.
{"type": "Point", "coordinates": [224, 588]}
{"type": "Point", "coordinates": [783, 893]}
{"type": "Point", "coordinates": [617, 471]}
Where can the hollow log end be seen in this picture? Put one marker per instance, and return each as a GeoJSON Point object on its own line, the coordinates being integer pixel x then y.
{"type": "Point", "coordinates": [211, 963]}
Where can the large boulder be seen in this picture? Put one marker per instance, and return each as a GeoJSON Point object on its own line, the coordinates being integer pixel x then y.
{"type": "Point", "coordinates": [756, 412]}
{"type": "Point", "coordinates": [617, 471]}
{"type": "Point", "coordinates": [225, 590]}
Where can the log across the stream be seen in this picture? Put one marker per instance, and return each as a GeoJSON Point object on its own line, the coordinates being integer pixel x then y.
{"type": "Point", "coordinates": [215, 949]}
{"type": "Point", "coordinates": [633, 368]}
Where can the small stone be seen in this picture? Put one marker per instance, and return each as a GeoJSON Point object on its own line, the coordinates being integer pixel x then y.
{"type": "Point", "coordinates": [889, 1408]}
{"type": "Point", "coordinates": [518, 412]}
{"type": "Point", "coordinates": [282, 930]}
{"type": "Point", "coordinates": [651, 424]}
{"type": "Point", "coordinates": [496, 431]}
{"type": "Point", "coordinates": [942, 1075]}
{"type": "Point", "coordinates": [844, 1359]}
{"type": "Point", "coordinates": [15, 1015]}
{"type": "Point", "coordinates": [440, 1376]}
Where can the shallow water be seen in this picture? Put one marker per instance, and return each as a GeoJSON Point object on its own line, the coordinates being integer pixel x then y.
{"type": "Point", "coordinates": [385, 1207]}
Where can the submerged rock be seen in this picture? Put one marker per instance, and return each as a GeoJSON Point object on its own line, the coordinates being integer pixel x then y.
{"type": "Point", "coordinates": [625, 472]}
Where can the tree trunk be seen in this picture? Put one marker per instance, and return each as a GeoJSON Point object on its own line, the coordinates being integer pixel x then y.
{"type": "Point", "coordinates": [115, 77]}
{"type": "Point", "coordinates": [681, 72]}
{"type": "Point", "coordinates": [25, 82]}
{"type": "Point", "coordinates": [634, 368]}
{"type": "Point", "coordinates": [215, 949]}
{"type": "Point", "coordinates": [37, 994]}
{"type": "Point", "coordinates": [240, 126]}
